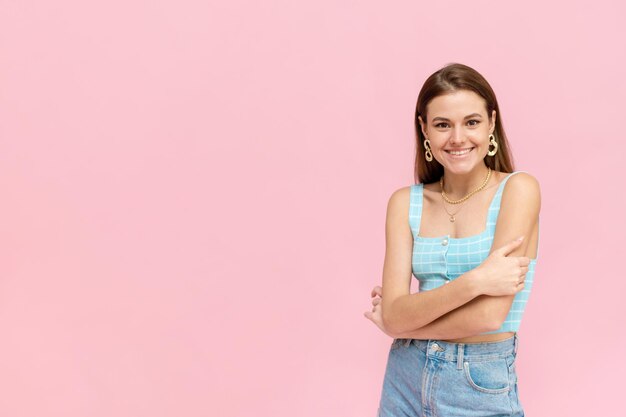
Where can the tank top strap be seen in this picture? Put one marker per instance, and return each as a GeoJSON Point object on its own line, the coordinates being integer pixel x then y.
{"type": "Point", "coordinates": [494, 207]}
{"type": "Point", "coordinates": [415, 208]}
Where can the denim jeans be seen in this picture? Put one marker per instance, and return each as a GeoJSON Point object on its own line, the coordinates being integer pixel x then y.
{"type": "Point", "coordinates": [435, 378]}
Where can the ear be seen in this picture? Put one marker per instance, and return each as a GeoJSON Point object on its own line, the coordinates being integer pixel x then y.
{"type": "Point", "coordinates": [492, 125]}
{"type": "Point", "coordinates": [422, 126]}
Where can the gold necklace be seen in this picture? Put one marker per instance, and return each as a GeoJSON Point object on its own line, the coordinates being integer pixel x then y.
{"type": "Point", "coordinates": [452, 219]}
{"type": "Point", "coordinates": [445, 197]}
{"type": "Point", "coordinates": [443, 194]}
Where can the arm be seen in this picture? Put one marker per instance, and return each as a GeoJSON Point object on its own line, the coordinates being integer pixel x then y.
{"type": "Point", "coordinates": [468, 320]}
{"type": "Point", "coordinates": [414, 311]}
{"type": "Point", "coordinates": [402, 311]}
{"type": "Point", "coordinates": [519, 215]}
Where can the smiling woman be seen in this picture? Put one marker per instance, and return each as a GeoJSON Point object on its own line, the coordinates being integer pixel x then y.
{"type": "Point", "coordinates": [470, 222]}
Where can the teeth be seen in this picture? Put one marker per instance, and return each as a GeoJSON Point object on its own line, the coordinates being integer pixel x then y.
{"type": "Point", "coordinates": [460, 152]}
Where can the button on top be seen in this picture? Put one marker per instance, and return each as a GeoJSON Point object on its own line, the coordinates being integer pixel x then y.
{"type": "Point", "coordinates": [435, 346]}
{"type": "Point", "coordinates": [444, 242]}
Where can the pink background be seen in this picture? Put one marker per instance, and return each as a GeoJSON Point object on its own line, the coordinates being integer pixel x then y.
{"type": "Point", "coordinates": [193, 198]}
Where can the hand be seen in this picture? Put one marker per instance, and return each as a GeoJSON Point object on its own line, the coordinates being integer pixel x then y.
{"type": "Point", "coordinates": [501, 274]}
{"type": "Point", "coordinates": [376, 315]}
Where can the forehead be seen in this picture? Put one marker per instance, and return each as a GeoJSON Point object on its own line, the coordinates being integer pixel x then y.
{"type": "Point", "coordinates": [456, 105]}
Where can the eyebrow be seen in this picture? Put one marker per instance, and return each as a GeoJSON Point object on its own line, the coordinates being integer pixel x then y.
{"type": "Point", "coordinates": [466, 117]}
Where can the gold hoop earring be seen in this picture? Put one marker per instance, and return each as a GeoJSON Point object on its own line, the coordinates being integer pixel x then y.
{"type": "Point", "coordinates": [493, 142]}
{"type": "Point", "coordinates": [428, 154]}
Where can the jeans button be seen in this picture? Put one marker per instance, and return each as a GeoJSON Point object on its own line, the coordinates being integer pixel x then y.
{"type": "Point", "coordinates": [435, 346]}
{"type": "Point", "coordinates": [444, 242]}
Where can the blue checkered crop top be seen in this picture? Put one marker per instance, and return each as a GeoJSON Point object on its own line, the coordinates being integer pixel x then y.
{"type": "Point", "coordinates": [438, 260]}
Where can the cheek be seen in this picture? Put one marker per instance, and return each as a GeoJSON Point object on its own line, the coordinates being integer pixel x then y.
{"type": "Point", "coordinates": [439, 144]}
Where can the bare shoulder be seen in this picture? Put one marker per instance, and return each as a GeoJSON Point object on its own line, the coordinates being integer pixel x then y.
{"type": "Point", "coordinates": [398, 205]}
{"type": "Point", "coordinates": [400, 198]}
{"type": "Point", "coordinates": [522, 188]}
{"type": "Point", "coordinates": [524, 178]}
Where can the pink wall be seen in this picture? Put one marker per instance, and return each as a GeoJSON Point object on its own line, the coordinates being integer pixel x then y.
{"type": "Point", "coordinates": [193, 198]}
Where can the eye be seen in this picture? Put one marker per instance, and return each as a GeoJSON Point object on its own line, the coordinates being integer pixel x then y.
{"type": "Point", "coordinates": [441, 125]}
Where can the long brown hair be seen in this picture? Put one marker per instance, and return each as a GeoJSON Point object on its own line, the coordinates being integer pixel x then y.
{"type": "Point", "coordinates": [454, 77]}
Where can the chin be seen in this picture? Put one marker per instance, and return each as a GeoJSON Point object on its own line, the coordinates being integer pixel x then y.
{"type": "Point", "coordinates": [460, 169]}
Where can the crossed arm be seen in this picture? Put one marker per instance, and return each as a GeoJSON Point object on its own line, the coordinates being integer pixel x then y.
{"type": "Point", "coordinates": [468, 320]}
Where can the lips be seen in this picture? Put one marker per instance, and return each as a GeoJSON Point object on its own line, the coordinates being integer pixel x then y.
{"type": "Point", "coordinates": [463, 151]}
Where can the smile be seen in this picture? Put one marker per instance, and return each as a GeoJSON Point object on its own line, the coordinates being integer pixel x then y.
{"type": "Point", "coordinates": [461, 152]}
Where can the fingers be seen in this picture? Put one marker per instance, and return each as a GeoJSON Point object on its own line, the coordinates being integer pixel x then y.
{"type": "Point", "coordinates": [522, 275]}
{"type": "Point", "coordinates": [377, 291]}
{"type": "Point", "coordinates": [509, 247]}
{"type": "Point", "coordinates": [371, 312]}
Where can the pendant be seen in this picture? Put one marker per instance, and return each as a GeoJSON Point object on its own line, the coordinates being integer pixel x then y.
{"type": "Point", "coordinates": [452, 218]}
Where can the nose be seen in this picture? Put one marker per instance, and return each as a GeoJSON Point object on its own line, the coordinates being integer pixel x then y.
{"type": "Point", "coordinates": [457, 136]}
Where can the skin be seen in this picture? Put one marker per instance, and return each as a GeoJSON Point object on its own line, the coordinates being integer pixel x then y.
{"type": "Point", "coordinates": [519, 211]}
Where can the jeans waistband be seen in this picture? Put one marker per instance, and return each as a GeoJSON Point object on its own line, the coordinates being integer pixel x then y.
{"type": "Point", "coordinates": [455, 352]}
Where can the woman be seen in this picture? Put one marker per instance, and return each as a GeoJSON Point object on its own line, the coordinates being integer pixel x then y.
{"type": "Point", "coordinates": [455, 345]}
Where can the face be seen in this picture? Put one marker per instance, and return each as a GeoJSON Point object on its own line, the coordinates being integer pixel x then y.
{"type": "Point", "coordinates": [458, 122]}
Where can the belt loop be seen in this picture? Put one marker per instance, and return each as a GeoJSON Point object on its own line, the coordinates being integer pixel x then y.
{"type": "Point", "coordinates": [459, 356]}
{"type": "Point", "coordinates": [516, 344]}
{"type": "Point", "coordinates": [407, 342]}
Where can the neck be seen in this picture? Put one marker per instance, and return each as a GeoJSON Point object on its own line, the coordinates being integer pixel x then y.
{"type": "Point", "coordinates": [459, 185]}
